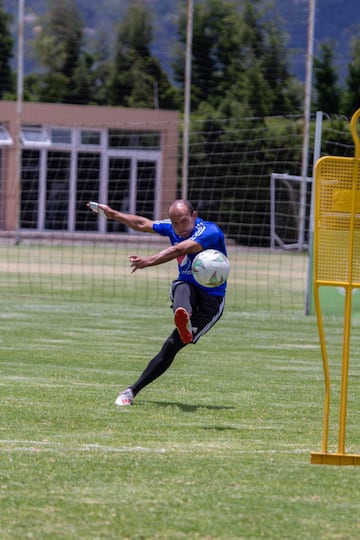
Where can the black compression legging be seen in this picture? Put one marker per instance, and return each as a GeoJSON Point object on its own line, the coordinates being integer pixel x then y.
{"type": "Point", "coordinates": [205, 310]}
{"type": "Point", "coordinates": [160, 363]}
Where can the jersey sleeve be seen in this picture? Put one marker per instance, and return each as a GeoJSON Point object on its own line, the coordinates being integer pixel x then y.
{"type": "Point", "coordinates": [209, 236]}
{"type": "Point", "coordinates": [162, 227]}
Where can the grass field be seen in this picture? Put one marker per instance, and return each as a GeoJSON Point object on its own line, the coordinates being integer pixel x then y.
{"type": "Point", "coordinates": [216, 449]}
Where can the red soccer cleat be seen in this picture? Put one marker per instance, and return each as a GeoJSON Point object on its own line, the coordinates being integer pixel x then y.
{"type": "Point", "coordinates": [183, 324]}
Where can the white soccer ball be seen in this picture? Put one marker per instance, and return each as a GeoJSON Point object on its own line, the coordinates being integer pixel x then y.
{"type": "Point", "coordinates": [210, 268]}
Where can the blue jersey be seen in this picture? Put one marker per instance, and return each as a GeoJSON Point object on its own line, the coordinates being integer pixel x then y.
{"type": "Point", "coordinates": [208, 235]}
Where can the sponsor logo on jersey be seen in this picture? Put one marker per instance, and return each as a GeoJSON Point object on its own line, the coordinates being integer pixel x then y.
{"type": "Point", "coordinates": [184, 264]}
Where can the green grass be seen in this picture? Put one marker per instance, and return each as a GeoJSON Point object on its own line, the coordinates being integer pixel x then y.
{"type": "Point", "coordinates": [217, 448]}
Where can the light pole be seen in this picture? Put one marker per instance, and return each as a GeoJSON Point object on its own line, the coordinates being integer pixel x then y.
{"type": "Point", "coordinates": [19, 102]}
{"type": "Point", "coordinates": [187, 100]}
{"type": "Point", "coordinates": [307, 117]}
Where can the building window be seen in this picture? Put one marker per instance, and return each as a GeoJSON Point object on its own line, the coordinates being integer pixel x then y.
{"type": "Point", "coordinates": [119, 189]}
{"type": "Point", "coordinates": [61, 136]}
{"type": "Point", "coordinates": [135, 140]}
{"type": "Point", "coordinates": [145, 188]}
{"type": "Point", "coordinates": [57, 190]}
{"type": "Point", "coordinates": [30, 189]}
{"type": "Point", "coordinates": [35, 136]}
{"type": "Point", "coordinates": [87, 189]}
{"type": "Point", "coordinates": [90, 137]}
{"type": "Point", "coordinates": [5, 139]}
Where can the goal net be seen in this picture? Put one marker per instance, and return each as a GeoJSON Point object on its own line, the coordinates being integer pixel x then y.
{"type": "Point", "coordinates": [60, 249]}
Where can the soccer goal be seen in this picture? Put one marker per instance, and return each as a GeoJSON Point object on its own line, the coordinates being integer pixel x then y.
{"type": "Point", "coordinates": [287, 229]}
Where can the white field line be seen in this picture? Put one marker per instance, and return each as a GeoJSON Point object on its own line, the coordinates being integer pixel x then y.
{"type": "Point", "coordinates": [47, 383]}
{"type": "Point", "coordinates": [10, 445]}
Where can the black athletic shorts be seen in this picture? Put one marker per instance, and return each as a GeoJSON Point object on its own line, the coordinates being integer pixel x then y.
{"type": "Point", "coordinates": [206, 309]}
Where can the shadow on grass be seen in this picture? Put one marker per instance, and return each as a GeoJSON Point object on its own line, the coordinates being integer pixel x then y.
{"type": "Point", "coordinates": [221, 428]}
{"type": "Point", "coordinates": [190, 408]}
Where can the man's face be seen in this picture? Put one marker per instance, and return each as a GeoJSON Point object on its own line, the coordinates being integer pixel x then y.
{"type": "Point", "coordinates": [182, 220]}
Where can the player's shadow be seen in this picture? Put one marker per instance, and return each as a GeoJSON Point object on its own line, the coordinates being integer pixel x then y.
{"type": "Point", "coordinates": [220, 428]}
{"type": "Point", "coordinates": [186, 407]}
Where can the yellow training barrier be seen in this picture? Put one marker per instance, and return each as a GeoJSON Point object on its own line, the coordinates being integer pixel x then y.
{"type": "Point", "coordinates": [337, 263]}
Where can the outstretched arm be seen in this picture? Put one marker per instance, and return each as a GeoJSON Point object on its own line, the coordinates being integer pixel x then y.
{"type": "Point", "coordinates": [165, 255]}
{"type": "Point", "coordinates": [137, 223]}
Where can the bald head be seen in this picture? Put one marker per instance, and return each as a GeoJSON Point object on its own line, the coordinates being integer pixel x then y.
{"type": "Point", "coordinates": [181, 205]}
{"type": "Point", "coordinates": [183, 217]}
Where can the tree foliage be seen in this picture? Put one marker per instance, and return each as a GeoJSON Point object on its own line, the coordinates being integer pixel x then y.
{"type": "Point", "coordinates": [239, 57]}
{"type": "Point", "coordinates": [327, 91]}
{"type": "Point", "coordinates": [351, 98]}
{"type": "Point", "coordinates": [66, 75]}
{"type": "Point", "coordinates": [136, 78]}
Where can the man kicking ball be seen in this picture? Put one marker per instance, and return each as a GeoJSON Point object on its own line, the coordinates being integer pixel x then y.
{"type": "Point", "coordinates": [196, 308]}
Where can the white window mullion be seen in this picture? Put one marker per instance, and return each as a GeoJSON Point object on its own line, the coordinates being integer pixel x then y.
{"type": "Point", "coordinates": [132, 189]}
{"type": "Point", "coordinates": [72, 186]}
{"type": "Point", "coordinates": [157, 203]}
{"type": "Point", "coordinates": [42, 190]}
{"type": "Point", "coordinates": [133, 181]}
{"type": "Point", "coordinates": [104, 174]}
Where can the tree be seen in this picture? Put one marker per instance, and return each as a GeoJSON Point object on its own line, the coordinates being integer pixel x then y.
{"type": "Point", "coordinates": [137, 79]}
{"type": "Point", "coordinates": [216, 58]}
{"type": "Point", "coordinates": [286, 90]}
{"type": "Point", "coordinates": [59, 47]}
{"type": "Point", "coordinates": [6, 47]}
{"type": "Point", "coordinates": [255, 90]}
{"type": "Point", "coordinates": [101, 66]}
{"type": "Point", "coordinates": [327, 96]}
{"type": "Point", "coordinates": [239, 55]}
{"type": "Point", "coordinates": [351, 97]}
